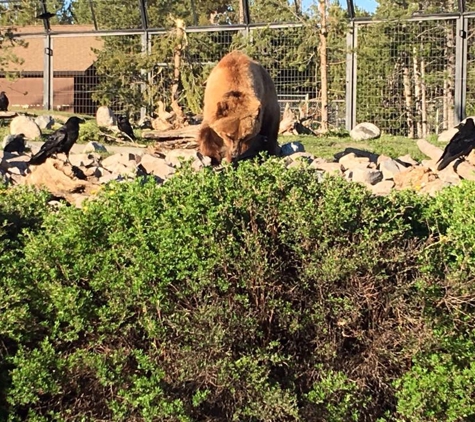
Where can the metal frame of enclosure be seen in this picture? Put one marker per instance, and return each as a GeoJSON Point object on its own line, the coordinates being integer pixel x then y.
{"type": "Point", "coordinates": [460, 17]}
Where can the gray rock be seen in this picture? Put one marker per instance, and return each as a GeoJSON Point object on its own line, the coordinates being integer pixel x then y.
{"type": "Point", "coordinates": [176, 156]}
{"type": "Point", "coordinates": [389, 168]}
{"type": "Point", "coordinates": [82, 160]}
{"type": "Point", "coordinates": [291, 148]}
{"type": "Point", "coordinates": [407, 160]}
{"type": "Point", "coordinates": [382, 188]}
{"type": "Point", "coordinates": [105, 117]}
{"type": "Point", "coordinates": [366, 176]}
{"type": "Point", "coordinates": [364, 131]}
{"type": "Point", "coordinates": [351, 161]}
{"type": "Point", "coordinates": [25, 125]}
{"type": "Point", "coordinates": [94, 147]}
{"type": "Point", "coordinates": [332, 168]}
{"type": "Point", "coordinates": [156, 166]}
{"type": "Point", "coordinates": [44, 121]}
{"type": "Point", "coordinates": [126, 159]}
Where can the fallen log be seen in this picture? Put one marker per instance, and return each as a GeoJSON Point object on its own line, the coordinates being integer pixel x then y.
{"type": "Point", "coordinates": [187, 132]}
{"type": "Point", "coordinates": [8, 114]}
{"type": "Point", "coordinates": [430, 150]}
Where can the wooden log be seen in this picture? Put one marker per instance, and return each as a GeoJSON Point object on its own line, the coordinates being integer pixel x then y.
{"type": "Point", "coordinates": [187, 132]}
{"type": "Point", "coordinates": [430, 150]}
{"type": "Point", "coordinates": [8, 114]}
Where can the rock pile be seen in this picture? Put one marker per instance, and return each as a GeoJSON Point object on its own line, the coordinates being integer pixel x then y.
{"type": "Point", "coordinates": [87, 171]}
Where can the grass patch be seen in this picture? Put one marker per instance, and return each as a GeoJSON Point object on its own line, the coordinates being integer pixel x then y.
{"type": "Point", "coordinates": [393, 146]}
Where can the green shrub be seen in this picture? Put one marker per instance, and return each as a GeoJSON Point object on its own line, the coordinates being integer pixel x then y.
{"type": "Point", "coordinates": [440, 384]}
{"type": "Point", "coordinates": [253, 294]}
{"type": "Point", "coordinates": [21, 209]}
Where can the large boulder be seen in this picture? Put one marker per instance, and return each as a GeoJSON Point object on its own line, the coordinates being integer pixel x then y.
{"type": "Point", "coordinates": [365, 131]}
{"type": "Point", "coordinates": [25, 125]}
{"type": "Point", "coordinates": [105, 117]}
{"type": "Point", "coordinates": [44, 121]}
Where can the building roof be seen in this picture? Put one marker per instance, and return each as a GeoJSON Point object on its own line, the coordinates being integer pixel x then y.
{"type": "Point", "coordinates": [70, 54]}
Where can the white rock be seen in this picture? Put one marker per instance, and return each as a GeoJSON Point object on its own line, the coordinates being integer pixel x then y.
{"type": "Point", "coordinates": [94, 147]}
{"type": "Point", "coordinates": [389, 168]}
{"type": "Point", "coordinates": [362, 175]}
{"type": "Point", "coordinates": [407, 160]}
{"type": "Point", "coordinates": [25, 125]}
{"type": "Point", "coordinates": [156, 166]}
{"type": "Point", "coordinates": [364, 131]}
{"type": "Point", "coordinates": [84, 160]}
{"type": "Point", "coordinates": [105, 117]}
{"type": "Point", "coordinates": [382, 188]}
{"type": "Point", "coordinates": [44, 121]}
{"type": "Point", "coordinates": [175, 156]}
{"type": "Point", "coordinates": [126, 159]}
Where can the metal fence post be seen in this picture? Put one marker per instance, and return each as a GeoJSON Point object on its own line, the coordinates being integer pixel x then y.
{"type": "Point", "coordinates": [146, 49]}
{"type": "Point", "coordinates": [351, 43]}
{"type": "Point", "coordinates": [460, 69]}
{"type": "Point", "coordinates": [48, 72]}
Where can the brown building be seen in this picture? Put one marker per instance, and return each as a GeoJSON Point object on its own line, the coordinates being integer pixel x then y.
{"type": "Point", "coordinates": [74, 76]}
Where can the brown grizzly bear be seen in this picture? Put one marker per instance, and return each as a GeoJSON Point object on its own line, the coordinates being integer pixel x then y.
{"type": "Point", "coordinates": [241, 114]}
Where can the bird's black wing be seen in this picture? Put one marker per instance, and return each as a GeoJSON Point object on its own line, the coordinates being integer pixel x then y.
{"type": "Point", "coordinates": [72, 137]}
{"type": "Point", "coordinates": [461, 144]}
{"type": "Point", "coordinates": [124, 126]}
{"type": "Point", "coordinates": [51, 146]}
{"type": "Point", "coordinates": [3, 102]}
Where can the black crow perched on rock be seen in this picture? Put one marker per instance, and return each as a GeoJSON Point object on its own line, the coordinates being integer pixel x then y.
{"type": "Point", "coordinates": [60, 141]}
{"type": "Point", "coordinates": [124, 126]}
{"type": "Point", "coordinates": [3, 101]}
{"type": "Point", "coordinates": [461, 144]}
{"type": "Point", "coordinates": [14, 143]}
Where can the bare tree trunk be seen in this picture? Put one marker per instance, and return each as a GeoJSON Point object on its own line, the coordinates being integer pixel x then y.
{"type": "Point", "coordinates": [408, 99]}
{"type": "Point", "coordinates": [449, 85]}
{"type": "Point", "coordinates": [177, 56]}
{"type": "Point", "coordinates": [322, 8]}
{"type": "Point", "coordinates": [423, 99]}
{"type": "Point", "coordinates": [298, 7]}
{"type": "Point", "coordinates": [417, 94]}
{"type": "Point", "coordinates": [193, 12]}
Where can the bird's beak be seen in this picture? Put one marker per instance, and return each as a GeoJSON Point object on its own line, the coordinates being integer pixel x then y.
{"type": "Point", "coordinates": [82, 121]}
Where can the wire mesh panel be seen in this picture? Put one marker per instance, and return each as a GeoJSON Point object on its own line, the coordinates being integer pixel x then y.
{"type": "Point", "coordinates": [470, 95]}
{"type": "Point", "coordinates": [264, 11]}
{"type": "Point", "coordinates": [90, 71]}
{"type": "Point", "coordinates": [406, 76]}
{"type": "Point", "coordinates": [24, 88]}
{"type": "Point", "coordinates": [193, 12]}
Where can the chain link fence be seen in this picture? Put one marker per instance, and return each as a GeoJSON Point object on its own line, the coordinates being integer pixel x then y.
{"type": "Point", "coordinates": [410, 77]}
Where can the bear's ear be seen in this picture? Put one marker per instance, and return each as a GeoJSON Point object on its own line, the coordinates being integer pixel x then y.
{"type": "Point", "coordinates": [227, 127]}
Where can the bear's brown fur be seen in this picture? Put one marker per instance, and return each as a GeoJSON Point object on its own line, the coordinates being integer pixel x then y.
{"type": "Point", "coordinates": [241, 112]}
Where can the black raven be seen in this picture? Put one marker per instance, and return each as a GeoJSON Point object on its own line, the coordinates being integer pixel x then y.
{"type": "Point", "coordinates": [461, 144]}
{"type": "Point", "coordinates": [60, 141]}
{"type": "Point", "coordinates": [3, 101]}
{"type": "Point", "coordinates": [14, 143]}
{"type": "Point", "coordinates": [124, 126]}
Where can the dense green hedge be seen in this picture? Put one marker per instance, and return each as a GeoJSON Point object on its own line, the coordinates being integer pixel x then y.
{"type": "Point", "coordinates": [256, 294]}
